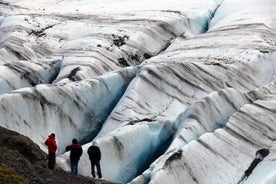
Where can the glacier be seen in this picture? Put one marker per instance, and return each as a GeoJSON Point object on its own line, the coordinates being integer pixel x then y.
{"type": "Point", "coordinates": [173, 92]}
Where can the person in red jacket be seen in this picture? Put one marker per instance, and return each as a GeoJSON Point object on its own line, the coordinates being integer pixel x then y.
{"type": "Point", "coordinates": [52, 148]}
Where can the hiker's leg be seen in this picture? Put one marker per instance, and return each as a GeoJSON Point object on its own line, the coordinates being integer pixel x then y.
{"type": "Point", "coordinates": [99, 169]}
{"type": "Point", "coordinates": [76, 167]}
{"type": "Point", "coordinates": [52, 161]}
{"type": "Point", "coordinates": [49, 161]}
{"type": "Point", "coordinates": [72, 166]}
{"type": "Point", "coordinates": [92, 169]}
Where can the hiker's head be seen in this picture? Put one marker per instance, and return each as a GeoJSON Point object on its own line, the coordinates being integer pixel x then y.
{"type": "Point", "coordinates": [53, 135]}
{"type": "Point", "coordinates": [75, 141]}
{"type": "Point", "coordinates": [262, 152]}
{"type": "Point", "coordinates": [94, 143]}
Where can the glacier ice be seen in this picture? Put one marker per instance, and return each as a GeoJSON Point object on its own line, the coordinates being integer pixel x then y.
{"type": "Point", "coordinates": [179, 92]}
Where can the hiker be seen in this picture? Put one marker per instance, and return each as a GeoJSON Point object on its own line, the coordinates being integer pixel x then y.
{"type": "Point", "coordinates": [52, 148]}
{"type": "Point", "coordinates": [75, 154]}
{"type": "Point", "coordinates": [259, 156]}
{"type": "Point", "coordinates": [95, 157]}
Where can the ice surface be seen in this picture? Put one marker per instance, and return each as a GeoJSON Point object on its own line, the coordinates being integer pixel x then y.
{"type": "Point", "coordinates": [173, 92]}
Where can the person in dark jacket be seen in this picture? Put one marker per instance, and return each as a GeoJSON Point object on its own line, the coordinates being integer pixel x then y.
{"type": "Point", "coordinates": [52, 148]}
{"type": "Point", "coordinates": [95, 157]}
{"type": "Point", "coordinates": [75, 154]}
{"type": "Point", "coordinates": [259, 156]}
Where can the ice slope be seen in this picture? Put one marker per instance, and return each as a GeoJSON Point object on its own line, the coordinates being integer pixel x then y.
{"type": "Point", "coordinates": [179, 92]}
{"type": "Point", "coordinates": [21, 74]}
{"type": "Point", "coordinates": [71, 109]}
{"type": "Point", "coordinates": [260, 38]}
